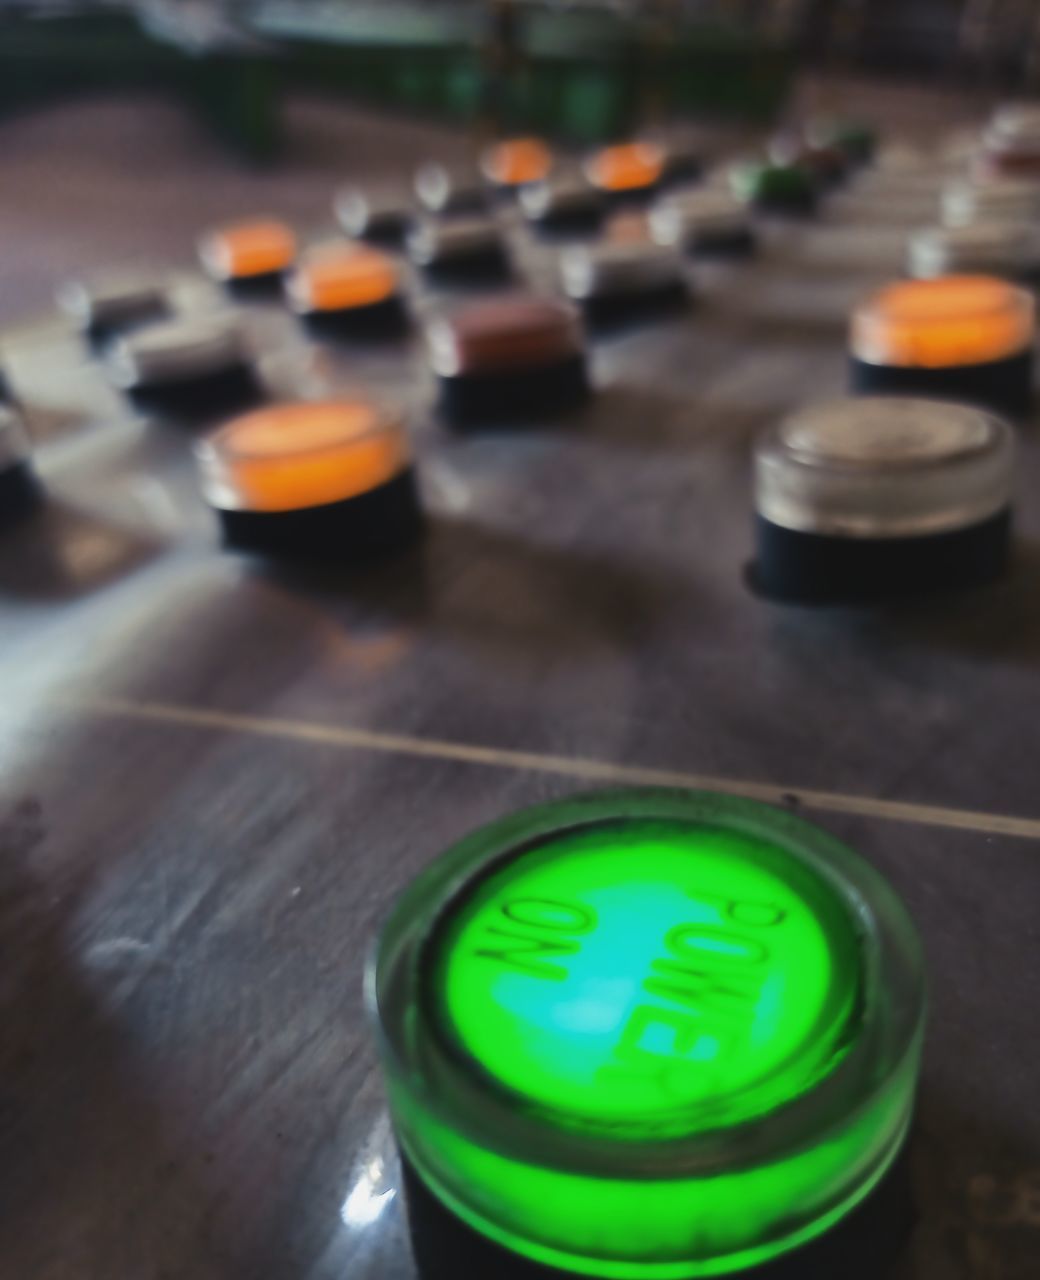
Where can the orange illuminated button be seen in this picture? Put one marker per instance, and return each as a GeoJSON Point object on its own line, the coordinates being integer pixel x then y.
{"type": "Point", "coordinates": [629, 166]}
{"type": "Point", "coordinates": [341, 277]}
{"type": "Point", "coordinates": [518, 161]}
{"type": "Point", "coordinates": [943, 323]}
{"type": "Point", "coordinates": [246, 250]}
{"type": "Point", "coordinates": [293, 456]}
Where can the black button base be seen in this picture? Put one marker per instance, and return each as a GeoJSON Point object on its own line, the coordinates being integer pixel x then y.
{"type": "Point", "coordinates": [507, 395]}
{"type": "Point", "coordinates": [682, 169]}
{"type": "Point", "coordinates": [863, 1246]}
{"type": "Point", "coordinates": [210, 395]}
{"type": "Point", "coordinates": [723, 244]}
{"type": "Point", "coordinates": [357, 529]}
{"type": "Point", "coordinates": [810, 568]}
{"type": "Point", "coordinates": [1004, 386]}
{"type": "Point", "coordinates": [388, 229]}
{"type": "Point", "coordinates": [859, 151]}
{"type": "Point", "coordinates": [575, 221]}
{"type": "Point", "coordinates": [20, 494]}
{"type": "Point", "coordinates": [100, 333]}
{"type": "Point", "coordinates": [377, 321]}
{"type": "Point", "coordinates": [789, 204]}
{"type": "Point", "coordinates": [505, 193]}
{"type": "Point", "coordinates": [256, 288]}
{"type": "Point", "coordinates": [629, 196]}
{"type": "Point", "coordinates": [476, 267]}
{"type": "Point", "coordinates": [828, 179]}
{"type": "Point", "coordinates": [611, 310]}
{"type": "Point", "coordinates": [463, 200]}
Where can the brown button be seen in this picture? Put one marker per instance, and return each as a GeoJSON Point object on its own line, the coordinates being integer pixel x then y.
{"type": "Point", "coordinates": [504, 333]}
{"type": "Point", "coordinates": [1012, 160]}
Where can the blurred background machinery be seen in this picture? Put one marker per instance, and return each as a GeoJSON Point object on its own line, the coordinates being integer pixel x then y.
{"type": "Point", "coordinates": [581, 71]}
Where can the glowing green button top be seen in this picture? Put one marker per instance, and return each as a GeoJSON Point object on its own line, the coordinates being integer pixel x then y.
{"type": "Point", "coordinates": [645, 977]}
{"type": "Point", "coordinates": [649, 1035]}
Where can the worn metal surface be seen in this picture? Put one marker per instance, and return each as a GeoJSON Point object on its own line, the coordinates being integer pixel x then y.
{"type": "Point", "coordinates": [216, 774]}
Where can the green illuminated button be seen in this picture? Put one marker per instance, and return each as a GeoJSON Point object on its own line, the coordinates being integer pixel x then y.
{"type": "Point", "coordinates": [857, 140]}
{"type": "Point", "coordinates": [773, 185]}
{"type": "Point", "coordinates": [651, 977]}
{"type": "Point", "coordinates": [649, 1035]}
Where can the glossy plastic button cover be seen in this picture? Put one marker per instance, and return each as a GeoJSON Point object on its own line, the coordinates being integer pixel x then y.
{"type": "Point", "coordinates": [587, 1010]}
{"type": "Point", "coordinates": [884, 467]}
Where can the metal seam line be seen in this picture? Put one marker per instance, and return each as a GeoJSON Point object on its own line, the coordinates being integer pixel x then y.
{"type": "Point", "coordinates": [346, 736]}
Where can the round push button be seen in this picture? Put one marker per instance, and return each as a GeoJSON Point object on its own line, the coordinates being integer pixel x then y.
{"type": "Point", "coordinates": [507, 357]}
{"type": "Point", "coordinates": [517, 162]}
{"type": "Point", "coordinates": [775, 188]}
{"type": "Point", "coordinates": [194, 363]}
{"type": "Point", "coordinates": [325, 480]}
{"type": "Point", "coordinates": [614, 279]}
{"type": "Point", "coordinates": [381, 214]}
{"type": "Point", "coordinates": [564, 201]}
{"type": "Point", "coordinates": [957, 337]}
{"type": "Point", "coordinates": [443, 189]}
{"type": "Point", "coordinates": [646, 1036]}
{"type": "Point", "coordinates": [708, 221]}
{"type": "Point", "coordinates": [1002, 248]}
{"type": "Point", "coordinates": [964, 202]}
{"type": "Point", "coordinates": [248, 253]}
{"type": "Point", "coordinates": [879, 497]}
{"type": "Point", "coordinates": [349, 287]}
{"type": "Point", "coordinates": [470, 246]}
{"type": "Point", "coordinates": [603, 979]}
{"type": "Point", "coordinates": [628, 169]}
{"type": "Point", "coordinates": [113, 302]}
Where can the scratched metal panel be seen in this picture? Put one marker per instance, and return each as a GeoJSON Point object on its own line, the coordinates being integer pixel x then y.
{"type": "Point", "coordinates": [188, 1086]}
